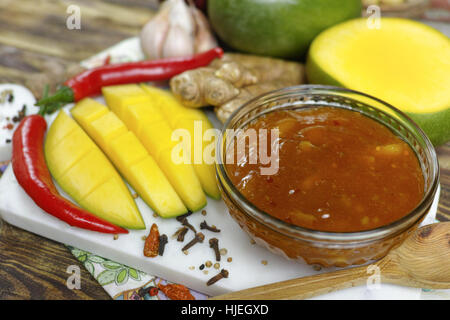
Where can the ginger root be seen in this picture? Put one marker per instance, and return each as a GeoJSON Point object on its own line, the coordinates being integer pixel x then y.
{"type": "Point", "coordinates": [225, 110]}
{"type": "Point", "coordinates": [229, 82]}
{"type": "Point", "coordinates": [200, 87]}
{"type": "Point", "coordinates": [265, 69]}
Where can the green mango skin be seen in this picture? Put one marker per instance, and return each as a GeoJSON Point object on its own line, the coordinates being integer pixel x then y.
{"type": "Point", "coordinates": [436, 125]}
{"type": "Point", "coordinates": [278, 28]}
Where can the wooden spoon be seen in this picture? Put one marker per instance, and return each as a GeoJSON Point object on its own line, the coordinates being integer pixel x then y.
{"type": "Point", "coordinates": [421, 261]}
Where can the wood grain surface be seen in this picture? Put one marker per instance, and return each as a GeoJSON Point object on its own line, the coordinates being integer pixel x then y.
{"type": "Point", "coordinates": [37, 48]}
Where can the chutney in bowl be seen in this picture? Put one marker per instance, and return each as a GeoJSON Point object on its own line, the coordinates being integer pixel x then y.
{"type": "Point", "coordinates": [344, 178]}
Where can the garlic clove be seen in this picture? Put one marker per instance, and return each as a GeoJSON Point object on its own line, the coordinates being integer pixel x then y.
{"type": "Point", "coordinates": [178, 43]}
{"type": "Point", "coordinates": [180, 15]}
{"type": "Point", "coordinates": [154, 33]}
{"type": "Point", "coordinates": [204, 39]}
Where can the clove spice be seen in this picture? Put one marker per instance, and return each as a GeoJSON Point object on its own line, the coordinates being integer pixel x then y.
{"type": "Point", "coordinates": [214, 244]}
{"type": "Point", "coordinates": [162, 244]}
{"type": "Point", "coordinates": [180, 233]}
{"type": "Point", "coordinates": [186, 223]}
{"type": "Point", "coordinates": [183, 216]}
{"type": "Point", "coordinates": [205, 225]}
{"type": "Point", "coordinates": [199, 237]}
{"type": "Point", "coordinates": [223, 274]}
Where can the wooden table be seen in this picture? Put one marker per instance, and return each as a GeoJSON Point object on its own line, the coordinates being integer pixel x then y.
{"type": "Point", "coordinates": [37, 48]}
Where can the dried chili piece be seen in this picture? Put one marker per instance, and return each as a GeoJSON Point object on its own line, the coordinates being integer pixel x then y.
{"type": "Point", "coordinates": [176, 291]}
{"type": "Point", "coordinates": [151, 247]}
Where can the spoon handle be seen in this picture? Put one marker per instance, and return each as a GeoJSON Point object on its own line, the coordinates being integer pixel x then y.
{"type": "Point", "coordinates": [303, 288]}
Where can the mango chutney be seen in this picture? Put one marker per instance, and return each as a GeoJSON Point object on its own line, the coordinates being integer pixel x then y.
{"type": "Point", "coordinates": [338, 171]}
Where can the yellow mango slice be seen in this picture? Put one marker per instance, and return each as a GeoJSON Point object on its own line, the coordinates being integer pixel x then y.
{"type": "Point", "coordinates": [126, 150]}
{"type": "Point", "coordinates": [62, 147]}
{"type": "Point", "coordinates": [184, 180]}
{"type": "Point", "coordinates": [142, 114]}
{"type": "Point", "coordinates": [120, 96]}
{"type": "Point", "coordinates": [202, 153]}
{"type": "Point", "coordinates": [87, 111]}
{"type": "Point", "coordinates": [58, 135]}
{"type": "Point", "coordinates": [181, 117]}
{"type": "Point", "coordinates": [156, 137]}
{"type": "Point", "coordinates": [112, 186]}
{"type": "Point", "coordinates": [84, 177]}
{"type": "Point", "coordinates": [130, 157]}
{"type": "Point", "coordinates": [106, 128]}
{"type": "Point", "coordinates": [170, 107]}
{"type": "Point", "coordinates": [83, 172]}
{"type": "Point", "coordinates": [142, 119]}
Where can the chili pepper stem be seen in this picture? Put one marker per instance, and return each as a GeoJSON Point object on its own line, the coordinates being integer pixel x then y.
{"type": "Point", "coordinates": [62, 96]}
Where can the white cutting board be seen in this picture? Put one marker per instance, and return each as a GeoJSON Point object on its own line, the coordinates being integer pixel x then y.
{"type": "Point", "coordinates": [246, 269]}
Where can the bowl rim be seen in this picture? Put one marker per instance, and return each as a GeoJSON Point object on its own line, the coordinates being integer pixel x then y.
{"type": "Point", "coordinates": [295, 231]}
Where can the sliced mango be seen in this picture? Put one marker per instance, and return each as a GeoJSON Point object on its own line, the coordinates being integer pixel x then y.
{"type": "Point", "coordinates": [145, 120]}
{"type": "Point", "coordinates": [181, 117]}
{"type": "Point", "coordinates": [107, 190]}
{"type": "Point", "coordinates": [119, 97]}
{"type": "Point", "coordinates": [130, 157]}
{"type": "Point", "coordinates": [83, 172]}
{"type": "Point", "coordinates": [143, 114]}
{"type": "Point", "coordinates": [60, 149]}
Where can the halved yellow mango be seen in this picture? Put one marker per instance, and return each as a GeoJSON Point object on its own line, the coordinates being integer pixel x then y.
{"type": "Point", "coordinates": [83, 172]}
{"type": "Point", "coordinates": [130, 157]}
{"type": "Point", "coordinates": [142, 119]}
{"type": "Point", "coordinates": [404, 62]}
{"type": "Point", "coordinates": [181, 117]}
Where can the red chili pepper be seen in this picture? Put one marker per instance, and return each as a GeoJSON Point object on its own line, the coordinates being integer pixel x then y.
{"type": "Point", "coordinates": [90, 82]}
{"type": "Point", "coordinates": [31, 171]}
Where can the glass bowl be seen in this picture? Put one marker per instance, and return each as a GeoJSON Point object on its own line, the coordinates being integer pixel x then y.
{"type": "Point", "coordinates": [319, 247]}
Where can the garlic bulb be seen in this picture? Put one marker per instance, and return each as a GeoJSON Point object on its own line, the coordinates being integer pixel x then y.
{"type": "Point", "coordinates": [154, 32]}
{"type": "Point", "coordinates": [204, 39]}
{"type": "Point", "coordinates": [176, 30]}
